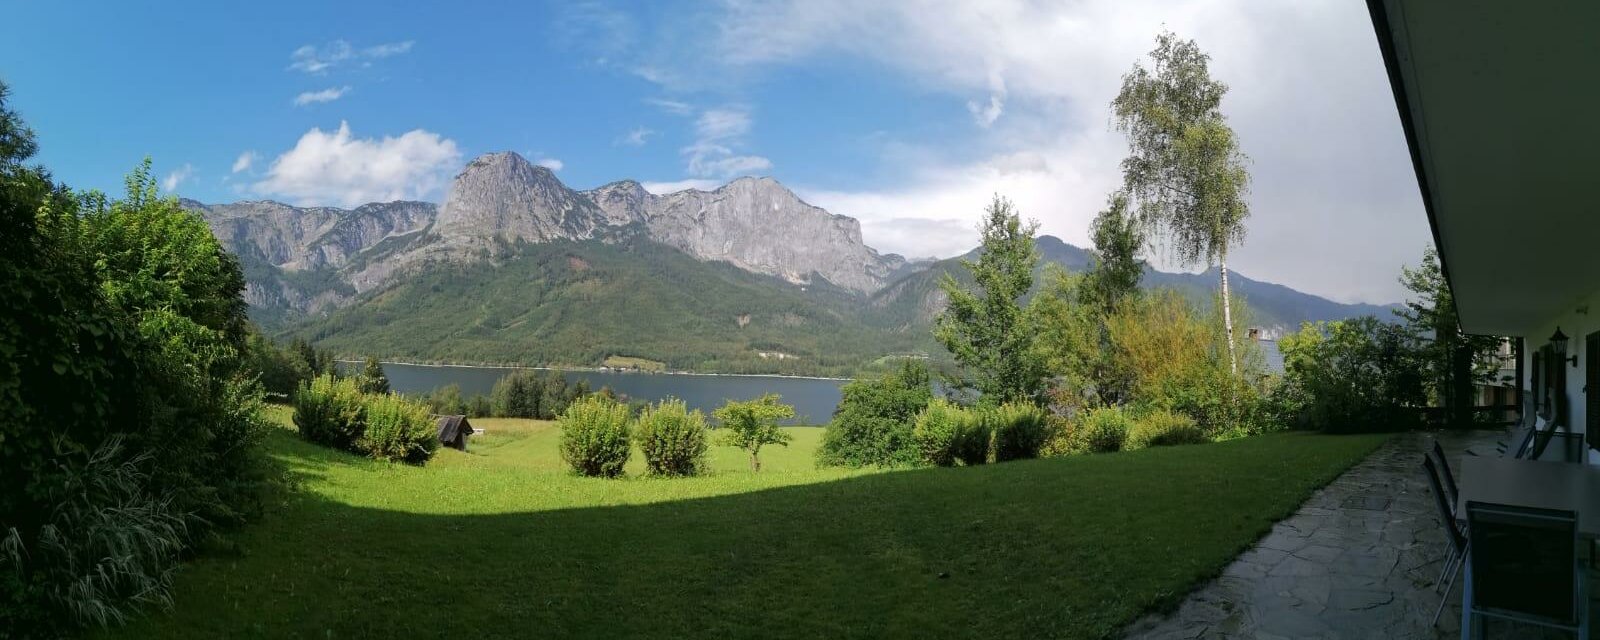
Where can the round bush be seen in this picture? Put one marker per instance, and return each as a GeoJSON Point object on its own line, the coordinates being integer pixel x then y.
{"type": "Point", "coordinates": [594, 436]}
{"type": "Point", "coordinates": [1101, 430]}
{"type": "Point", "coordinates": [1020, 430]}
{"type": "Point", "coordinates": [937, 431]}
{"type": "Point", "coordinates": [973, 435]}
{"type": "Point", "coordinates": [398, 429]}
{"type": "Point", "coordinates": [329, 411]}
{"type": "Point", "coordinates": [1162, 428]}
{"type": "Point", "coordinates": [672, 439]}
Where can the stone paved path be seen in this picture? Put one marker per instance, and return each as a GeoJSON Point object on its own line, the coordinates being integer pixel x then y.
{"type": "Point", "coordinates": [1358, 560]}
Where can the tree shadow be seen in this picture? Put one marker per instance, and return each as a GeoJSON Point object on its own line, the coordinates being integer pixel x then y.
{"type": "Point", "coordinates": [1075, 547]}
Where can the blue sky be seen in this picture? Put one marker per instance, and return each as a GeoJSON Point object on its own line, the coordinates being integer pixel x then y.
{"type": "Point", "coordinates": [907, 116]}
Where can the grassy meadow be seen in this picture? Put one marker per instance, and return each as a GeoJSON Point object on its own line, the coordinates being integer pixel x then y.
{"type": "Point", "coordinates": [501, 541]}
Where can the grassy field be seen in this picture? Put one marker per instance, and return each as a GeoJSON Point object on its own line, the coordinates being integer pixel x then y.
{"type": "Point", "coordinates": [501, 542]}
{"type": "Point", "coordinates": [630, 362]}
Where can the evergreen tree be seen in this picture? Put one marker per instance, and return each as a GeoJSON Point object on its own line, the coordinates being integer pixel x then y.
{"type": "Point", "coordinates": [1115, 273]}
{"type": "Point", "coordinates": [372, 379]}
{"type": "Point", "coordinates": [985, 328]}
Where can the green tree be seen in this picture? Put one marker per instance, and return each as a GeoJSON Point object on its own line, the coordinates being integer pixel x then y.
{"type": "Point", "coordinates": [1184, 169]}
{"type": "Point", "coordinates": [1451, 360]}
{"type": "Point", "coordinates": [985, 328]}
{"type": "Point", "coordinates": [372, 378]}
{"type": "Point", "coordinates": [1115, 273]}
{"type": "Point", "coordinates": [752, 424]}
{"type": "Point", "coordinates": [1069, 340]}
{"type": "Point", "coordinates": [874, 420]}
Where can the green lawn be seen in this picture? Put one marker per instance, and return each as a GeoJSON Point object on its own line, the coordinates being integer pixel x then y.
{"type": "Point", "coordinates": [500, 542]}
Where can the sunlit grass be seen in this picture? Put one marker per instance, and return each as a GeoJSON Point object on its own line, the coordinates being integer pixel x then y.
{"type": "Point", "coordinates": [501, 541]}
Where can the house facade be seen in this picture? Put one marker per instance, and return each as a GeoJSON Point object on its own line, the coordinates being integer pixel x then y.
{"type": "Point", "coordinates": [1498, 102]}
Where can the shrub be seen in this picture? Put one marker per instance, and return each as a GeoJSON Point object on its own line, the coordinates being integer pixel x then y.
{"type": "Point", "coordinates": [398, 430]}
{"type": "Point", "coordinates": [1352, 375]}
{"type": "Point", "coordinates": [937, 431]}
{"type": "Point", "coordinates": [329, 411]}
{"type": "Point", "coordinates": [874, 422]}
{"type": "Point", "coordinates": [973, 436]}
{"type": "Point", "coordinates": [672, 438]}
{"type": "Point", "coordinates": [1161, 428]}
{"type": "Point", "coordinates": [594, 436]}
{"type": "Point", "coordinates": [1100, 430]}
{"type": "Point", "coordinates": [1020, 430]}
{"type": "Point", "coordinates": [752, 424]}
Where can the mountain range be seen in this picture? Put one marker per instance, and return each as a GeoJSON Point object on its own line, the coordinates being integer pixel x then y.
{"type": "Point", "coordinates": [516, 267]}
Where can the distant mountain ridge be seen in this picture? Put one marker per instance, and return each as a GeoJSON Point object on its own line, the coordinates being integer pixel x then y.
{"type": "Point", "coordinates": [336, 275]}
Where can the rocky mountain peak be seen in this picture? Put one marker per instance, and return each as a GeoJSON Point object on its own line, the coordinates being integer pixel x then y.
{"type": "Point", "coordinates": [503, 196]}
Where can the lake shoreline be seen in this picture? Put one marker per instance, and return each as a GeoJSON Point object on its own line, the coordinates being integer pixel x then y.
{"type": "Point", "coordinates": [603, 370]}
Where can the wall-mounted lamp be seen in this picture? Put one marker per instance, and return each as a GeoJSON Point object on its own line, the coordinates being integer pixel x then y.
{"type": "Point", "coordinates": [1558, 341]}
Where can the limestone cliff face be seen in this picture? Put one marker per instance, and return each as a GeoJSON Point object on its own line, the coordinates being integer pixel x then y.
{"type": "Point", "coordinates": [311, 258]}
{"type": "Point", "coordinates": [757, 225]}
{"type": "Point", "coordinates": [503, 196]}
{"type": "Point", "coordinates": [310, 238]}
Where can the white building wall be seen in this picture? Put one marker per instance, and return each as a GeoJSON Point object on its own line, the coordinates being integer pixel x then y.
{"type": "Point", "coordinates": [1577, 322]}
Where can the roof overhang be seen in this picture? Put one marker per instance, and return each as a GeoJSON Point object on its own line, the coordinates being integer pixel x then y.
{"type": "Point", "coordinates": [1501, 108]}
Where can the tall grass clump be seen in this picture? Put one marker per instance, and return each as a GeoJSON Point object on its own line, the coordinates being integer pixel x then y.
{"type": "Point", "coordinates": [398, 430]}
{"type": "Point", "coordinates": [1162, 427]}
{"type": "Point", "coordinates": [672, 439]}
{"type": "Point", "coordinates": [107, 546]}
{"type": "Point", "coordinates": [1020, 430]}
{"type": "Point", "coordinates": [594, 436]}
{"type": "Point", "coordinates": [330, 411]}
{"type": "Point", "coordinates": [1100, 430]}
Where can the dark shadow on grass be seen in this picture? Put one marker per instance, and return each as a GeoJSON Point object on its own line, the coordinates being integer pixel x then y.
{"type": "Point", "coordinates": [1051, 548]}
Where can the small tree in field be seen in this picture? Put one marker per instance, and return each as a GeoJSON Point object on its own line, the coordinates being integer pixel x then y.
{"type": "Point", "coordinates": [751, 424]}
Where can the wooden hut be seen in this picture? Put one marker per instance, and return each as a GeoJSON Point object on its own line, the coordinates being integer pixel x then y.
{"type": "Point", "coordinates": [453, 431]}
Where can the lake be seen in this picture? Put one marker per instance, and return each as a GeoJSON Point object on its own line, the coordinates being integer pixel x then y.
{"type": "Point", "coordinates": [813, 399]}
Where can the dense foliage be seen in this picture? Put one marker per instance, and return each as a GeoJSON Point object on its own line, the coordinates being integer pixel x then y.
{"type": "Point", "coordinates": [983, 327]}
{"type": "Point", "coordinates": [753, 424]}
{"type": "Point", "coordinates": [526, 393]}
{"type": "Point", "coordinates": [330, 411]}
{"type": "Point", "coordinates": [372, 379]}
{"type": "Point", "coordinates": [397, 429]}
{"type": "Point", "coordinates": [1352, 375]}
{"type": "Point", "coordinates": [873, 422]}
{"type": "Point", "coordinates": [1184, 172]}
{"type": "Point", "coordinates": [672, 439]}
{"type": "Point", "coordinates": [594, 436]}
{"type": "Point", "coordinates": [127, 420]}
{"type": "Point", "coordinates": [1160, 428]}
{"type": "Point", "coordinates": [1101, 430]}
{"type": "Point", "coordinates": [335, 412]}
{"type": "Point", "coordinates": [1020, 430]}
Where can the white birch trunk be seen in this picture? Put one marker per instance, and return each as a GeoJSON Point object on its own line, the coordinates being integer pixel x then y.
{"type": "Point", "coordinates": [1227, 316]}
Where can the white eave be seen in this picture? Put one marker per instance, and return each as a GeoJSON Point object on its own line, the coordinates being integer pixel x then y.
{"type": "Point", "coordinates": [1501, 107]}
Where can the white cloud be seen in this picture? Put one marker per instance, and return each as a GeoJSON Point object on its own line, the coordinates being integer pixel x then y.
{"type": "Point", "coordinates": [177, 177]}
{"type": "Point", "coordinates": [245, 161]}
{"type": "Point", "coordinates": [326, 95]}
{"type": "Point", "coordinates": [718, 132]}
{"type": "Point", "coordinates": [636, 137]}
{"type": "Point", "coordinates": [663, 188]}
{"type": "Point", "coordinates": [1334, 203]}
{"type": "Point", "coordinates": [313, 59]}
{"type": "Point", "coordinates": [671, 106]}
{"type": "Point", "coordinates": [551, 164]}
{"type": "Point", "coordinates": [341, 169]}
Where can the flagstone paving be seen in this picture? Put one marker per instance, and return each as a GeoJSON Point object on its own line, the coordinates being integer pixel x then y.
{"type": "Point", "coordinates": [1358, 560]}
